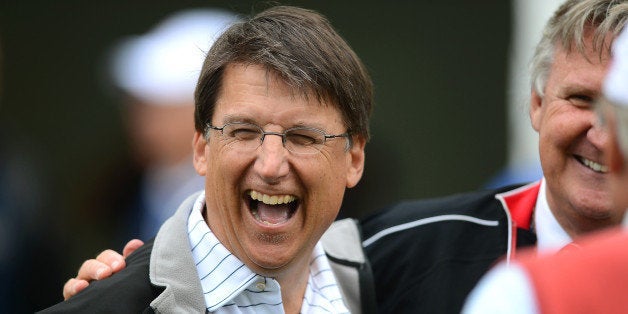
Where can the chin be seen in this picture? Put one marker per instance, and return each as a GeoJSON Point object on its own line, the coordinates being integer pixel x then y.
{"type": "Point", "coordinates": [598, 214]}
{"type": "Point", "coordinates": [597, 206]}
{"type": "Point", "coordinates": [270, 267]}
{"type": "Point", "coordinates": [271, 256]}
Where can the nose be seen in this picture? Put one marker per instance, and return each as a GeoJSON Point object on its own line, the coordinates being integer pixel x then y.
{"type": "Point", "coordinates": [271, 163]}
{"type": "Point", "coordinates": [598, 133]}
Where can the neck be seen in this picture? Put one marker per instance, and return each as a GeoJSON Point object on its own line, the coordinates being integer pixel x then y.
{"type": "Point", "coordinates": [293, 282]}
{"type": "Point", "coordinates": [292, 299]}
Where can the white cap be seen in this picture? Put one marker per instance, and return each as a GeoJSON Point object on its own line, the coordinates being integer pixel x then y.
{"type": "Point", "coordinates": [616, 83]}
{"type": "Point", "coordinates": [162, 66]}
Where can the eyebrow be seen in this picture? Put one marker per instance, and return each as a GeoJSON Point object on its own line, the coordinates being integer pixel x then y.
{"type": "Point", "coordinates": [237, 118]}
{"type": "Point", "coordinates": [241, 118]}
{"type": "Point", "coordinates": [311, 125]}
{"type": "Point", "coordinates": [580, 89]}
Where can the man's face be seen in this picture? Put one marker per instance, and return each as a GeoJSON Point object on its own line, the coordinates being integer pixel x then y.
{"type": "Point", "coordinates": [273, 238]}
{"type": "Point", "coordinates": [159, 134]}
{"type": "Point", "coordinates": [571, 142]}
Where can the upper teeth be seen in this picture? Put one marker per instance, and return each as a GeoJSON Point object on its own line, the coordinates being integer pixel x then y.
{"type": "Point", "coordinates": [594, 165]}
{"type": "Point", "coordinates": [271, 199]}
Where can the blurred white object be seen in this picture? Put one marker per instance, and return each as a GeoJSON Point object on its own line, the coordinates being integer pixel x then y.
{"type": "Point", "coordinates": [162, 66]}
{"type": "Point", "coordinates": [616, 83]}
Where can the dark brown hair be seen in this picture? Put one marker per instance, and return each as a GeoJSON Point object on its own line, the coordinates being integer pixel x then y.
{"type": "Point", "coordinates": [304, 50]}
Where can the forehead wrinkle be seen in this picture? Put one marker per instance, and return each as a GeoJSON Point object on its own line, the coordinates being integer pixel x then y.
{"type": "Point", "coordinates": [580, 80]}
{"type": "Point", "coordinates": [228, 118]}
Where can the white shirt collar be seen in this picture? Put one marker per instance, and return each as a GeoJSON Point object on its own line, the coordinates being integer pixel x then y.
{"type": "Point", "coordinates": [550, 236]}
{"type": "Point", "coordinates": [229, 286]}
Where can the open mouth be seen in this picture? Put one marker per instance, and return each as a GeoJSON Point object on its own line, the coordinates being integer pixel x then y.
{"type": "Point", "coordinates": [272, 209]}
{"type": "Point", "coordinates": [592, 165]}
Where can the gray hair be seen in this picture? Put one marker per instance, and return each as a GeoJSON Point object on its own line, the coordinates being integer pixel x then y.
{"type": "Point", "coordinates": [568, 26]}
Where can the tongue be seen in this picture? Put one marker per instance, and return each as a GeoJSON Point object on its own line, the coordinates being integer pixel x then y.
{"type": "Point", "coordinates": [273, 214]}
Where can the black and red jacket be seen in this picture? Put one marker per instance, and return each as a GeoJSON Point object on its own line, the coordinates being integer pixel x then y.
{"type": "Point", "coordinates": [427, 255]}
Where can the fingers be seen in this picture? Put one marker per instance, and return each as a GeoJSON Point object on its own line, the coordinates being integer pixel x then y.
{"type": "Point", "coordinates": [94, 270]}
{"type": "Point", "coordinates": [131, 247]}
{"type": "Point", "coordinates": [109, 258]}
{"type": "Point", "coordinates": [72, 287]}
{"type": "Point", "coordinates": [105, 264]}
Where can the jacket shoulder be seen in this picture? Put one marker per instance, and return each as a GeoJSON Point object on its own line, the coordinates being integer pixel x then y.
{"type": "Point", "coordinates": [478, 204]}
{"type": "Point", "coordinates": [127, 291]}
{"type": "Point", "coordinates": [426, 255]}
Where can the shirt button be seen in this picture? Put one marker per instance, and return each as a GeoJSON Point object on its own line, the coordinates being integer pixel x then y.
{"type": "Point", "coordinates": [260, 286]}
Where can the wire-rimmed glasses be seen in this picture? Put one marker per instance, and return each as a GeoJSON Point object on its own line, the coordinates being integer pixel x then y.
{"type": "Point", "coordinates": [297, 140]}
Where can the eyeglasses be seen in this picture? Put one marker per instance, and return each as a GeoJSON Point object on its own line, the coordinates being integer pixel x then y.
{"type": "Point", "coordinates": [297, 140]}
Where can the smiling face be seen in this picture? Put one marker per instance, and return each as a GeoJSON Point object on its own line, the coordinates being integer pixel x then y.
{"type": "Point", "coordinates": [571, 144]}
{"type": "Point", "coordinates": [268, 206]}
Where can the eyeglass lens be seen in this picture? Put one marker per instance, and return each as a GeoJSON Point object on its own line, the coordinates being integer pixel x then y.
{"type": "Point", "coordinates": [297, 140]}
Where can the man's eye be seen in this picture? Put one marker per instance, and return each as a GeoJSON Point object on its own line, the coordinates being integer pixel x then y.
{"type": "Point", "coordinates": [304, 138]}
{"type": "Point", "coordinates": [581, 100]}
{"type": "Point", "coordinates": [243, 133]}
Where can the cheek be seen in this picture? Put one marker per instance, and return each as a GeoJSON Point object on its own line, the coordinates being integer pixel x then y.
{"type": "Point", "coordinates": [560, 129]}
{"type": "Point", "coordinates": [224, 168]}
{"type": "Point", "coordinates": [327, 182]}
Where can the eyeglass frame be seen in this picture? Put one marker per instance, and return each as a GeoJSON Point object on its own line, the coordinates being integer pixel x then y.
{"type": "Point", "coordinates": [283, 135]}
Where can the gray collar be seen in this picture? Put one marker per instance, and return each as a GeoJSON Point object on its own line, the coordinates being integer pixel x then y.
{"type": "Point", "coordinates": [172, 266]}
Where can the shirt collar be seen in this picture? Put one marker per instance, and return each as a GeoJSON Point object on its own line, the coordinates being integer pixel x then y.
{"type": "Point", "coordinates": [322, 292]}
{"type": "Point", "coordinates": [228, 284]}
{"type": "Point", "coordinates": [551, 237]}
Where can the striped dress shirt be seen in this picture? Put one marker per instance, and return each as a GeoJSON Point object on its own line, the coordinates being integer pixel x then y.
{"type": "Point", "coordinates": [229, 286]}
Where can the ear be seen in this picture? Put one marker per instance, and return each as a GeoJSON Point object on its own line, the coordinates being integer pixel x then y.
{"type": "Point", "coordinates": [199, 144]}
{"type": "Point", "coordinates": [536, 115]}
{"type": "Point", "coordinates": [356, 161]}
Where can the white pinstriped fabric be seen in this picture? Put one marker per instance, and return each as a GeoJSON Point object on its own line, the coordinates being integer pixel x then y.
{"type": "Point", "coordinates": [229, 286]}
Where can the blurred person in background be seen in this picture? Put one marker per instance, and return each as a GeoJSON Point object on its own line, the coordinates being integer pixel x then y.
{"type": "Point", "coordinates": [155, 75]}
{"type": "Point", "coordinates": [591, 278]}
